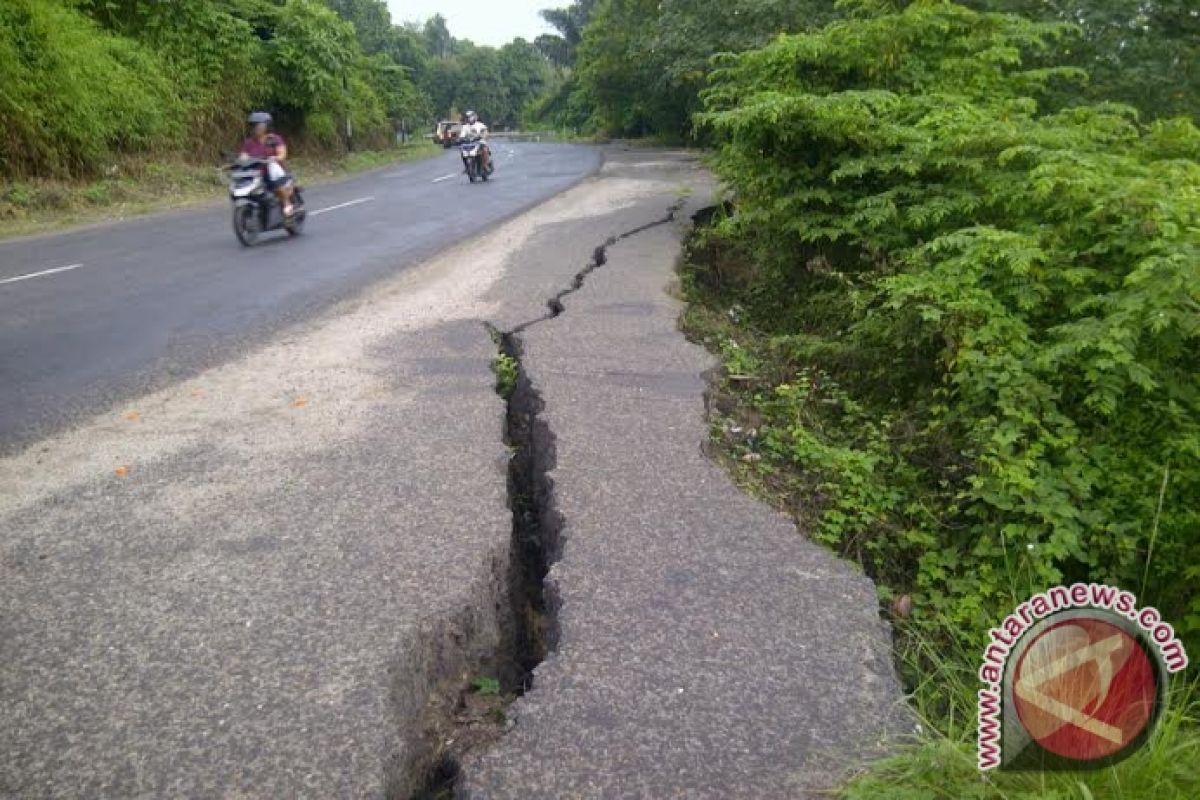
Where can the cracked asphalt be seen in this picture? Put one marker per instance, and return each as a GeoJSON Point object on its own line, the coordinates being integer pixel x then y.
{"type": "Point", "coordinates": [256, 554]}
{"type": "Point", "coordinates": [706, 649]}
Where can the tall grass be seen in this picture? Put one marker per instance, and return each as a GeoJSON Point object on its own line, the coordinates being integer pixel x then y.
{"type": "Point", "coordinates": [942, 764]}
{"type": "Point", "coordinates": [71, 94]}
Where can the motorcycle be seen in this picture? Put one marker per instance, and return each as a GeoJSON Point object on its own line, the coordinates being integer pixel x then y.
{"type": "Point", "coordinates": [472, 156]}
{"type": "Point", "coordinates": [256, 210]}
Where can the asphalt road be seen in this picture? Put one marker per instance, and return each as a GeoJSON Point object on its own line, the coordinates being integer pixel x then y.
{"type": "Point", "coordinates": [260, 580]}
{"type": "Point", "coordinates": [91, 317]}
{"type": "Point", "coordinates": [274, 577]}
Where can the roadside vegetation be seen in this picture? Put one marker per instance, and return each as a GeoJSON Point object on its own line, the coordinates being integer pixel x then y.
{"type": "Point", "coordinates": [954, 289]}
{"type": "Point", "coordinates": [958, 314]}
{"type": "Point", "coordinates": [638, 67]}
{"type": "Point", "coordinates": [128, 104]}
{"type": "Point", "coordinates": [86, 81]}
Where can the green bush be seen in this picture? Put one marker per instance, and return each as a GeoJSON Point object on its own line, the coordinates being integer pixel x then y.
{"type": "Point", "coordinates": [217, 62]}
{"type": "Point", "coordinates": [321, 128]}
{"type": "Point", "coordinates": [73, 95]}
{"type": "Point", "coordinates": [368, 116]}
{"type": "Point", "coordinates": [20, 195]}
{"type": "Point", "coordinates": [991, 312]}
{"type": "Point", "coordinates": [508, 373]}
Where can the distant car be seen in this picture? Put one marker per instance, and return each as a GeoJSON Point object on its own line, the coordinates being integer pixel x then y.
{"type": "Point", "coordinates": [447, 133]}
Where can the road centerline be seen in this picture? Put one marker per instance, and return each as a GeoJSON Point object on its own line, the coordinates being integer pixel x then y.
{"type": "Point", "coordinates": [40, 273]}
{"type": "Point", "coordinates": [341, 205]}
{"type": "Point", "coordinates": [155, 303]}
{"type": "Point", "coordinates": [445, 177]}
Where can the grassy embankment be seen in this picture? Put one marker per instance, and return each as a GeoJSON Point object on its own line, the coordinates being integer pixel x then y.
{"type": "Point", "coordinates": [134, 186]}
{"type": "Point", "coordinates": [942, 683]}
{"type": "Point", "coordinates": [958, 315]}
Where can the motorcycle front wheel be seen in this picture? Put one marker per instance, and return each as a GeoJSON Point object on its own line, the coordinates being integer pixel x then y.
{"type": "Point", "coordinates": [245, 225]}
{"type": "Point", "coordinates": [472, 170]}
{"type": "Point", "coordinates": [297, 226]}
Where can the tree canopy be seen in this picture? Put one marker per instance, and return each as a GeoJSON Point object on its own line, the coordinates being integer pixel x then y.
{"type": "Point", "coordinates": [85, 80]}
{"type": "Point", "coordinates": [634, 67]}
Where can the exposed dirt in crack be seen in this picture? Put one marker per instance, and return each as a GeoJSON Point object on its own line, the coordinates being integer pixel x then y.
{"type": "Point", "coordinates": [479, 715]}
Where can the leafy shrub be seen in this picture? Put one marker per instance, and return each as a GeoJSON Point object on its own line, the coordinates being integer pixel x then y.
{"type": "Point", "coordinates": [72, 94]}
{"type": "Point", "coordinates": [217, 62]}
{"type": "Point", "coordinates": [321, 128]}
{"type": "Point", "coordinates": [20, 195]}
{"type": "Point", "coordinates": [97, 194]}
{"type": "Point", "coordinates": [508, 372]}
{"type": "Point", "coordinates": [995, 307]}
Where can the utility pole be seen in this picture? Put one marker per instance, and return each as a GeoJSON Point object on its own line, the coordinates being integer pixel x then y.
{"type": "Point", "coordinates": [349, 124]}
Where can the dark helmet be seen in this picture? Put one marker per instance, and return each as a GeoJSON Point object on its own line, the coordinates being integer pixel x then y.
{"type": "Point", "coordinates": [259, 116]}
{"type": "Point", "coordinates": [472, 117]}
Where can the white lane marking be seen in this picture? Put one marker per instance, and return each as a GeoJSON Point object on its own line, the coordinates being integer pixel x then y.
{"type": "Point", "coordinates": [67, 268]}
{"type": "Point", "coordinates": [341, 205]}
{"type": "Point", "coordinates": [445, 178]}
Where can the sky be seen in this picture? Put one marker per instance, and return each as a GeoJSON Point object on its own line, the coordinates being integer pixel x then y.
{"type": "Point", "coordinates": [493, 22]}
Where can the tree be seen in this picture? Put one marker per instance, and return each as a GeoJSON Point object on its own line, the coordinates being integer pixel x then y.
{"type": "Point", "coordinates": [483, 87]}
{"type": "Point", "coordinates": [570, 23]}
{"type": "Point", "coordinates": [371, 20]}
{"type": "Point", "coordinates": [641, 65]}
{"type": "Point", "coordinates": [615, 66]}
{"type": "Point", "coordinates": [407, 48]}
{"type": "Point", "coordinates": [314, 52]}
{"type": "Point", "coordinates": [526, 75]}
{"type": "Point", "coordinates": [438, 40]}
{"type": "Point", "coordinates": [555, 49]}
{"type": "Point", "coordinates": [442, 82]}
{"type": "Point", "coordinates": [1142, 52]}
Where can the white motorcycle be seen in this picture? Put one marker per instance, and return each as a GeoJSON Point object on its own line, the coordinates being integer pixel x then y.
{"type": "Point", "coordinates": [472, 156]}
{"type": "Point", "coordinates": [255, 207]}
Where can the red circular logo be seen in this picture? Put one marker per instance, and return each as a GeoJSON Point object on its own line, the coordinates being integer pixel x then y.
{"type": "Point", "coordinates": [1084, 689]}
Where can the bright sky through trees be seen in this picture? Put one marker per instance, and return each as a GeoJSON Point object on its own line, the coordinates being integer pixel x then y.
{"type": "Point", "coordinates": [491, 22]}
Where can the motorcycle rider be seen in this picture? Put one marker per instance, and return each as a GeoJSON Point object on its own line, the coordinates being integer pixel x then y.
{"type": "Point", "coordinates": [265, 144]}
{"type": "Point", "coordinates": [473, 129]}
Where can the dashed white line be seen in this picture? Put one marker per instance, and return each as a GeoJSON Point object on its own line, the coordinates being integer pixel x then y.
{"type": "Point", "coordinates": [341, 205]}
{"type": "Point", "coordinates": [26, 277]}
{"type": "Point", "coordinates": [445, 178]}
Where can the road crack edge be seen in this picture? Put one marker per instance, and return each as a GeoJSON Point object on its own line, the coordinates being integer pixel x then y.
{"type": "Point", "coordinates": [537, 525]}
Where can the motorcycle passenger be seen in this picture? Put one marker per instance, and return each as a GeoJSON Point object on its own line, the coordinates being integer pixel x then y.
{"type": "Point", "coordinates": [265, 144]}
{"type": "Point", "coordinates": [473, 129]}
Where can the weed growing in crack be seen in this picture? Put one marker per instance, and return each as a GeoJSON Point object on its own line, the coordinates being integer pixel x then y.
{"type": "Point", "coordinates": [486, 686]}
{"type": "Point", "coordinates": [507, 370]}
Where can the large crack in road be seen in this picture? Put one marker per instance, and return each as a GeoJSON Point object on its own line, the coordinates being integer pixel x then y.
{"type": "Point", "coordinates": [270, 578]}
{"type": "Point", "coordinates": [536, 527]}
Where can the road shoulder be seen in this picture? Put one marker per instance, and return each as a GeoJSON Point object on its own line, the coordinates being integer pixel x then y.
{"type": "Point", "coordinates": [704, 647]}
